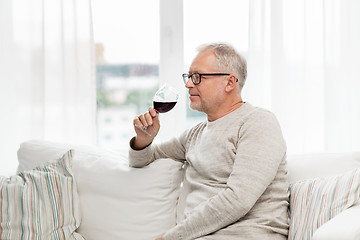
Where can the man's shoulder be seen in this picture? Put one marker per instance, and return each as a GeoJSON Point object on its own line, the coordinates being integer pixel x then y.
{"type": "Point", "coordinates": [193, 130]}
{"type": "Point", "coordinates": [250, 111]}
{"type": "Point", "coordinates": [259, 111]}
{"type": "Point", "coordinates": [259, 114]}
{"type": "Point", "coordinates": [198, 127]}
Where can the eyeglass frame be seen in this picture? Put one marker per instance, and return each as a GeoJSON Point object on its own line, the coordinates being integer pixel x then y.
{"type": "Point", "coordinates": [186, 76]}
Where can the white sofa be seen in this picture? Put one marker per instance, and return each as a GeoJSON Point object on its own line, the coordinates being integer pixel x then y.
{"type": "Point", "coordinates": [119, 202]}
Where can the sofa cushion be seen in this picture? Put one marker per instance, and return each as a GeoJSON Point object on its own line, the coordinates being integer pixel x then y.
{"type": "Point", "coordinates": [312, 165]}
{"type": "Point", "coordinates": [314, 202]}
{"type": "Point", "coordinates": [117, 202]}
{"type": "Point", "coordinates": [344, 226]}
{"type": "Point", "coordinates": [41, 203]}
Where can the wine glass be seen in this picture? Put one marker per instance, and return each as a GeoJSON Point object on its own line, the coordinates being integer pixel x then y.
{"type": "Point", "coordinates": [164, 100]}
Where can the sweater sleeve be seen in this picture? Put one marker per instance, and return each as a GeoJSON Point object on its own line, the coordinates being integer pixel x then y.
{"type": "Point", "coordinates": [260, 150]}
{"type": "Point", "coordinates": [174, 149]}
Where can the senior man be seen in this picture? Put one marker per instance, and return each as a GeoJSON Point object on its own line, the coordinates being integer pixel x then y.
{"type": "Point", "coordinates": [236, 159]}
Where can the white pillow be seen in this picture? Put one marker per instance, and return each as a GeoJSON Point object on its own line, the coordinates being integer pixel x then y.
{"type": "Point", "coordinates": [117, 202]}
{"type": "Point", "coordinates": [315, 202]}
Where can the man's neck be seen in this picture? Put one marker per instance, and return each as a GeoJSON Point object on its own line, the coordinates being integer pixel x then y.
{"type": "Point", "coordinates": [224, 110]}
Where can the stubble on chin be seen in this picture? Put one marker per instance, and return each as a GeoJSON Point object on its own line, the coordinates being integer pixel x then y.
{"type": "Point", "coordinates": [196, 106]}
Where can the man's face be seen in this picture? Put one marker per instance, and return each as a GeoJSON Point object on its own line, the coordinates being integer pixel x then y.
{"type": "Point", "coordinates": [208, 95]}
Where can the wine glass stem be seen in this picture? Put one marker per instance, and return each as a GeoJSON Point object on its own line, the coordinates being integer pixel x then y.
{"type": "Point", "coordinates": [143, 129]}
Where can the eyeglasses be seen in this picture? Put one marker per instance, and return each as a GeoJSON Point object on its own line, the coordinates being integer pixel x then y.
{"type": "Point", "coordinates": [196, 77]}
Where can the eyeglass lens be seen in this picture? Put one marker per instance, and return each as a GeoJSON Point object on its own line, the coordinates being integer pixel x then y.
{"type": "Point", "coordinates": [195, 78]}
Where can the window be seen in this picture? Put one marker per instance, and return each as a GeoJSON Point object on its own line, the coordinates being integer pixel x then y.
{"type": "Point", "coordinates": [130, 38]}
{"type": "Point", "coordinates": [126, 35]}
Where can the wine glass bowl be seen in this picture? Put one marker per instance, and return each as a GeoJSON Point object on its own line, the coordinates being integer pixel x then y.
{"type": "Point", "coordinates": [165, 99]}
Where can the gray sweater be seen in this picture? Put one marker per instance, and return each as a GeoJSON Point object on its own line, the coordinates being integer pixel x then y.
{"type": "Point", "coordinates": [235, 180]}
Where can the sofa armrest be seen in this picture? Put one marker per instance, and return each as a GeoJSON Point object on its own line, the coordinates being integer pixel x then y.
{"type": "Point", "coordinates": [344, 226]}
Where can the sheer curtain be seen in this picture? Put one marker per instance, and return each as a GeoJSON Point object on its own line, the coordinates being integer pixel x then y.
{"type": "Point", "coordinates": [47, 74]}
{"type": "Point", "coordinates": [303, 65]}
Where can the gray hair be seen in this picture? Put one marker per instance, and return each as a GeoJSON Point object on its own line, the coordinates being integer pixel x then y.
{"type": "Point", "coordinates": [228, 60]}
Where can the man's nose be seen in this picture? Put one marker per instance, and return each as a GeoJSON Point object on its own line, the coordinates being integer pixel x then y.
{"type": "Point", "coordinates": [189, 83]}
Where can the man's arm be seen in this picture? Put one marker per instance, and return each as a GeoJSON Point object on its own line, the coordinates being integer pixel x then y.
{"type": "Point", "coordinates": [174, 149]}
{"type": "Point", "coordinates": [260, 151]}
{"type": "Point", "coordinates": [143, 152]}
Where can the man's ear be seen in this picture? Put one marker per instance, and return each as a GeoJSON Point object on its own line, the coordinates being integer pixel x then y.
{"type": "Point", "coordinates": [231, 83]}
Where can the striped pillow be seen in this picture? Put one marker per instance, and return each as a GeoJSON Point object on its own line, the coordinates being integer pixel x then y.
{"type": "Point", "coordinates": [314, 202]}
{"type": "Point", "coordinates": [41, 203]}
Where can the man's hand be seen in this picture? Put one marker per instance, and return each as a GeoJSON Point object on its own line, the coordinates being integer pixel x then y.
{"type": "Point", "coordinates": [160, 238]}
{"type": "Point", "coordinates": [148, 121]}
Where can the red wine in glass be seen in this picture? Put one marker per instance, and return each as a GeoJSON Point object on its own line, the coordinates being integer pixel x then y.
{"type": "Point", "coordinates": [163, 107]}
